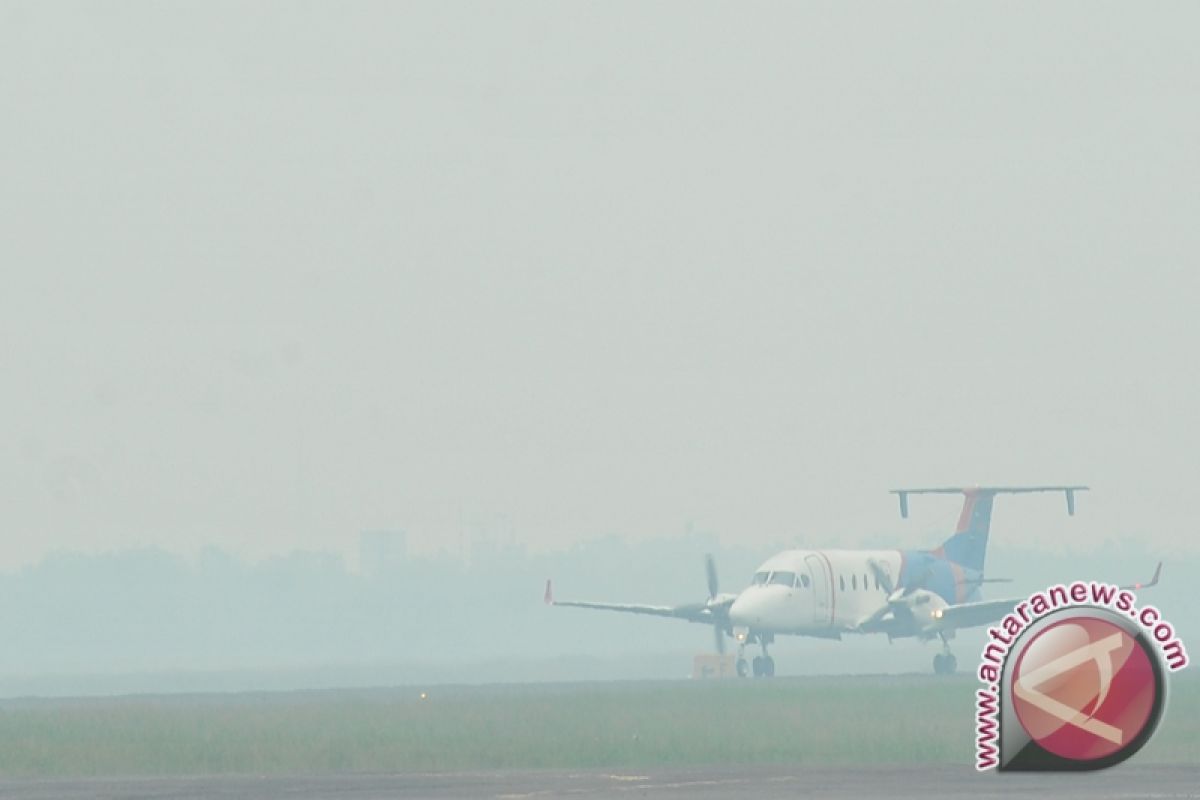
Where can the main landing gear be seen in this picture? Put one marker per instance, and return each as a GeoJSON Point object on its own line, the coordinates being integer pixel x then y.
{"type": "Point", "coordinates": [763, 666]}
{"type": "Point", "coordinates": [944, 663]}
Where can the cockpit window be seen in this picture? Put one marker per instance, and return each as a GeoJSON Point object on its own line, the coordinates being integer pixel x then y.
{"type": "Point", "coordinates": [784, 578]}
{"type": "Point", "coordinates": [760, 578]}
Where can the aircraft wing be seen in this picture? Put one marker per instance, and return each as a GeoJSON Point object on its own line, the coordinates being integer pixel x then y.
{"type": "Point", "coordinates": [692, 612]}
{"type": "Point", "coordinates": [631, 608]}
{"type": "Point", "coordinates": [921, 614]}
{"type": "Point", "coordinates": [971, 615]}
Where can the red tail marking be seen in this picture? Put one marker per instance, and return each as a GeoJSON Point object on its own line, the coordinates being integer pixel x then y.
{"type": "Point", "coordinates": [968, 510]}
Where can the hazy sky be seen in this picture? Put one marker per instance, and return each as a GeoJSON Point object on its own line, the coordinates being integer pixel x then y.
{"type": "Point", "coordinates": [275, 273]}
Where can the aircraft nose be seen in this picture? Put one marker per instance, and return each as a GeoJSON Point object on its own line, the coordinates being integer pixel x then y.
{"type": "Point", "coordinates": [746, 610]}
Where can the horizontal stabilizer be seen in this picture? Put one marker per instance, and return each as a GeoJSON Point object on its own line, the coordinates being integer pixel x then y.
{"type": "Point", "coordinates": [989, 491]}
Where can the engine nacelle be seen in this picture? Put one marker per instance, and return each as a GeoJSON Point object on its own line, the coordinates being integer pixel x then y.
{"type": "Point", "coordinates": [926, 608]}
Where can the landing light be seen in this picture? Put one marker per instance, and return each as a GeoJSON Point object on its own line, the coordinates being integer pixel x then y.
{"type": "Point", "coordinates": [937, 613]}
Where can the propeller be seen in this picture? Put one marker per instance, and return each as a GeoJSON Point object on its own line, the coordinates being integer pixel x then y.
{"type": "Point", "coordinates": [885, 581]}
{"type": "Point", "coordinates": [897, 596]}
{"type": "Point", "coordinates": [881, 574]}
{"type": "Point", "coordinates": [710, 569]}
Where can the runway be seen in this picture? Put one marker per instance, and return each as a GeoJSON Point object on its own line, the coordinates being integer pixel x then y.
{"type": "Point", "coordinates": [706, 783]}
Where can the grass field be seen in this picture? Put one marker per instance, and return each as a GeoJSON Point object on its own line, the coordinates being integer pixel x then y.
{"type": "Point", "coordinates": [910, 720]}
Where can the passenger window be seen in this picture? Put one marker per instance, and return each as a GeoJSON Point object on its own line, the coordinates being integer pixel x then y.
{"type": "Point", "coordinates": [864, 581]}
{"type": "Point", "coordinates": [853, 581]}
{"type": "Point", "coordinates": [842, 582]}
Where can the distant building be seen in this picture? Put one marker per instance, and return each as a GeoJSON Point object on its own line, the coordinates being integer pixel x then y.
{"type": "Point", "coordinates": [712, 665]}
{"type": "Point", "coordinates": [381, 552]}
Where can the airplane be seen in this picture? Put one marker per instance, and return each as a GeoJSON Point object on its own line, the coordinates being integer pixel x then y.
{"type": "Point", "coordinates": [922, 594]}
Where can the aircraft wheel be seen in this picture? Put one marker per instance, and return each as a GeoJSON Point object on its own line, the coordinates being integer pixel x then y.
{"type": "Point", "coordinates": [743, 669]}
{"type": "Point", "coordinates": [945, 663]}
{"type": "Point", "coordinates": [768, 667]}
{"type": "Point", "coordinates": [758, 666]}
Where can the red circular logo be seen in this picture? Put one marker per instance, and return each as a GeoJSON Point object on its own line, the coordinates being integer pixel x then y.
{"type": "Point", "coordinates": [1083, 688]}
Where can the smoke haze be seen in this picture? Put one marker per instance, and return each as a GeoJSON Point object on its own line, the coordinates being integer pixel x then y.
{"type": "Point", "coordinates": [276, 274]}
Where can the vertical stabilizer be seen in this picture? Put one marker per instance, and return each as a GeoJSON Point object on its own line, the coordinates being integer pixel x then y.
{"type": "Point", "coordinates": [968, 546]}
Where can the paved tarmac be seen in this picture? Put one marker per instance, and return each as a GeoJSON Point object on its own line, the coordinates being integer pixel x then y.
{"type": "Point", "coordinates": [694, 783]}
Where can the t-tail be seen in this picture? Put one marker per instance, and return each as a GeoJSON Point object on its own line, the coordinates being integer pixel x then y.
{"type": "Point", "coordinates": [968, 546]}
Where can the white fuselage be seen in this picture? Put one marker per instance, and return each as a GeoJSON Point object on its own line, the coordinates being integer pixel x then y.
{"type": "Point", "coordinates": [815, 592]}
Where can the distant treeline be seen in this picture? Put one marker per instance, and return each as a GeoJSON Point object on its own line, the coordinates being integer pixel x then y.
{"type": "Point", "coordinates": [148, 612]}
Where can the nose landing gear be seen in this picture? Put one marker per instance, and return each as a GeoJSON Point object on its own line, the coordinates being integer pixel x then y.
{"type": "Point", "coordinates": [763, 666]}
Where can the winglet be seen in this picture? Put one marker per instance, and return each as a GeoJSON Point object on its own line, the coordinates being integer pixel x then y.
{"type": "Point", "coordinates": [1153, 581]}
{"type": "Point", "coordinates": [548, 599]}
